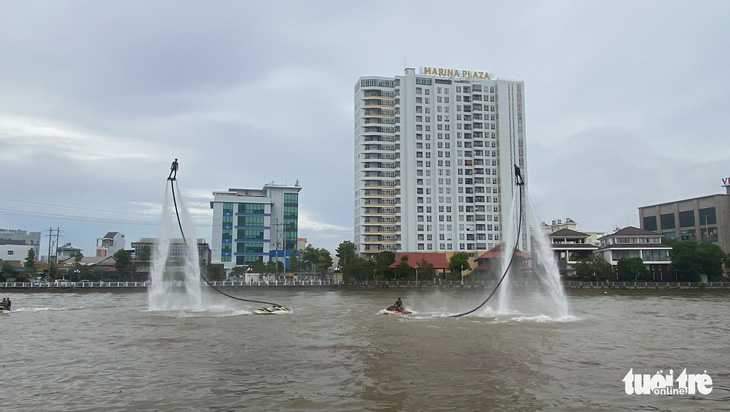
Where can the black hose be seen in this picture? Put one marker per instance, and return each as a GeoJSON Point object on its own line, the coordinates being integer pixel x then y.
{"type": "Point", "coordinates": [182, 232]}
{"type": "Point", "coordinates": [506, 270]}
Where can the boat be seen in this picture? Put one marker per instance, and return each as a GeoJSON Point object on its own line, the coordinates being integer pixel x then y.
{"type": "Point", "coordinates": [274, 310]}
{"type": "Point", "coordinates": [396, 310]}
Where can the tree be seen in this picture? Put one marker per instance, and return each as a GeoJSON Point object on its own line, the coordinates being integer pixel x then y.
{"type": "Point", "coordinates": [358, 270]}
{"type": "Point", "coordinates": [294, 264]}
{"type": "Point", "coordinates": [425, 270]}
{"type": "Point", "coordinates": [6, 270]}
{"type": "Point", "coordinates": [458, 262]}
{"type": "Point", "coordinates": [692, 259]}
{"type": "Point", "coordinates": [404, 271]}
{"type": "Point", "coordinates": [593, 268]}
{"type": "Point", "coordinates": [215, 272]}
{"type": "Point", "coordinates": [239, 271]}
{"type": "Point", "coordinates": [632, 269]}
{"type": "Point", "coordinates": [123, 264]}
{"type": "Point", "coordinates": [320, 259]}
{"type": "Point", "coordinates": [29, 263]}
{"type": "Point", "coordinates": [81, 270]}
{"type": "Point", "coordinates": [346, 255]}
{"type": "Point", "coordinates": [383, 260]}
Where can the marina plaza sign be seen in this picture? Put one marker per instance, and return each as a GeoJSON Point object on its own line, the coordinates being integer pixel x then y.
{"type": "Point", "coordinates": [466, 74]}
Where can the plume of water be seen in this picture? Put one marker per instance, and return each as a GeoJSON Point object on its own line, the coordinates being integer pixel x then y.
{"type": "Point", "coordinates": [536, 290]}
{"type": "Point", "coordinates": [509, 238]}
{"type": "Point", "coordinates": [161, 294]}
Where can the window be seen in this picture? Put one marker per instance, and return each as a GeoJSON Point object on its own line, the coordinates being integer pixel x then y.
{"type": "Point", "coordinates": [667, 221]}
{"type": "Point", "coordinates": [650, 223]}
{"type": "Point", "coordinates": [707, 216]}
{"type": "Point", "coordinates": [687, 219]}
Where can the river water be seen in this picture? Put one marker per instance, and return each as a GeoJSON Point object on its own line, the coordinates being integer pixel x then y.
{"type": "Point", "coordinates": [336, 352]}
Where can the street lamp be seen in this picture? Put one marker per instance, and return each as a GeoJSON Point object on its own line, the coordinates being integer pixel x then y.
{"type": "Point", "coordinates": [416, 275]}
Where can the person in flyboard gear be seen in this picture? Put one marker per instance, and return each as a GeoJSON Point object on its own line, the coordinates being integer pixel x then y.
{"type": "Point", "coordinates": [173, 171]}
{"type": "Point", "coordinates": [518, 176]}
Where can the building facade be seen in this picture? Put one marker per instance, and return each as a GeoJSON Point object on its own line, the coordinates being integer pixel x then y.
{"type": "Point", "coordinates": [702, 219]}
{"type": "Point", "coordinates": [255, 225]}
{"type": "Point", "coordinates": [14, 245]}
{"type": "Point", "coordinates": [434, 160]}
{"type": "Point", "coordinates": [632, 242]}
{"type": "Point", "coordinates": [178, 249]}
{"type": "Point", "coordinates": [110, 244]}
{"type": "Point", "coordinates": [569, 246]}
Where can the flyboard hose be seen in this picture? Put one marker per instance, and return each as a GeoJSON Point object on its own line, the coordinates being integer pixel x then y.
{"type": "Point", "coordinates": [177, 213]}
{"type": "Point", "coordinates": [520, 185]}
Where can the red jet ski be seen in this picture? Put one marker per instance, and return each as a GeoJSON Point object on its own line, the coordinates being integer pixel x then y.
{"type": "Point", "coordinates": [397, 310]}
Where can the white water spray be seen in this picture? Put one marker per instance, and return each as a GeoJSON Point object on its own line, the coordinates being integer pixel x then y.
{"type": "Point", "coordinates": [165, 293]}
{"type": "Point", "coordinates": [540, 291]}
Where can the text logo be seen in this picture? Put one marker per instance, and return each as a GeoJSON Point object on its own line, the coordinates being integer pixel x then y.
{"type": "Point", "coordinates": [726, 181]}
{"type": "Point", "coordinates": [664, 384]}
{"type": "Point", "coordinates": [436, 71]}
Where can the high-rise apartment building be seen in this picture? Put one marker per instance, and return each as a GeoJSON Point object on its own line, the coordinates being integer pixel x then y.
{"type": "Point", "coordinates": [434, 160]}
{"type": "Point", "coordinates": [255, 225]}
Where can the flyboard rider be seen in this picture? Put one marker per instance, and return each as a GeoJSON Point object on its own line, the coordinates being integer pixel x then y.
{"type": "Point", "coordinates": [173, 170]}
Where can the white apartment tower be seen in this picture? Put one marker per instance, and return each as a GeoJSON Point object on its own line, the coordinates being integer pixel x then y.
{"type": "Point", "coordinates": [434, 160]}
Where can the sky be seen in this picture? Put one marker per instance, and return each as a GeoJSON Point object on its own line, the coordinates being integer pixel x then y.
{"type": "Point", "coordinates": [625, 103]}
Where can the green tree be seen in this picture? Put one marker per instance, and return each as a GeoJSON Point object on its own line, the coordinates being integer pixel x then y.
{"type": "Point", "coordinates": [124, 265]}
{"type": "Point", "coordinates": [593, 268]}
{"type": "Point", "coordinates": [29, 269]}
{"type": "Point", "coordinates": [346, 255]}
{"type": "Point", "coordinates": [632, 269]}
{"type": "Point", "coordinates": [425, 270]}
{"type": "Point", "coordinates": [692, 259]}
{"type": "Point", "coordinates": [80, 269]}
{"type": "Point", "coordinates": [239, 271]}
{"type": "Point", "coordinates": [294, 264]}
{"type": "Point", "coordinates": [359, 270]}
{"type": "Point", "coordinates": [6, 270]}
{"type": "Point", "coordinates": [458, 262]}
{"type": "Point", "coordinates": [258, 267]}
{"type": "Point", "coordinates": [404, 271]}
{"type": "Point", "coordinates": [383, 260]}
{"type": "Point", "coordinates": [320, 259]}
{"type": "Point", "coordinates": [215, 272]}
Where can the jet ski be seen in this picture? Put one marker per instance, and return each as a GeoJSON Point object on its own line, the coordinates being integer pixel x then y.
{"type": "Point", "coordinates": [274, 310]}
{"type": "Point", "coordinates": [395, 310]}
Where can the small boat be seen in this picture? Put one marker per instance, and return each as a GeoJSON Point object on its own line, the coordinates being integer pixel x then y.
{"type": "Point", "coordinates": [274, 310]}
{"type": "Point", "coordinates": [396, 310]}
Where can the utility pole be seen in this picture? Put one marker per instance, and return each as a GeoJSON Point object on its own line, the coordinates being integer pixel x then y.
{"type": "Point", "coordinates": [49, 261]}
{"type": "Point", "coordinates": [279, 238]}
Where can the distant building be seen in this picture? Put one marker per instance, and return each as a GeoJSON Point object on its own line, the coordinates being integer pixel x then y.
{"type": "Point", "coordinates": [632, 242]}
{"type": "Point", "coordinates": [177, 251]}
{"type": "Point", "coordinates": [569, 246]}
{"type": "Point", "coordinates": [14, 245]}
{"type": "Point", "coordinates": [558, 224]}
{"type": "Point", "coordinates": [255, 225]}
{"type": "Point", "coordinates": [435, 153]}
{"type": "Point", "coordinates": [702, 219]}
{"type": "Point", "coordinates": [110, 244]}
{"type": "Point", "coordinates": [66, 251]}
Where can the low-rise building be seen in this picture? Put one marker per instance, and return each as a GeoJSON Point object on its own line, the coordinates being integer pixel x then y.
{"type": "Point", "coordinates": [15, 243]}
{"type": "Point", "coordinates": [632, 242]}
{"type": "Point", "coordinates": [569, 246]}
{"type": "Point", "coordinates": [703, 219]}
{"type": "Point", "coordinates": [110, 244]}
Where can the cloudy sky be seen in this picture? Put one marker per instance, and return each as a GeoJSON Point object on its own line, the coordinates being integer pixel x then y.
{"type": "Point", "coordinates": [626, 103]}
